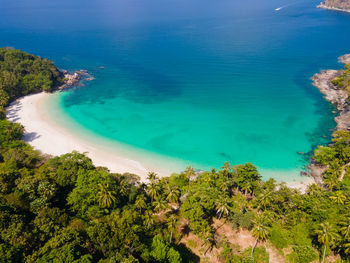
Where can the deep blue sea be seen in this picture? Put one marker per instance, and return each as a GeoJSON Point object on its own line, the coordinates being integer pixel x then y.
{"type": "Point", "coordinates": [202, 82]}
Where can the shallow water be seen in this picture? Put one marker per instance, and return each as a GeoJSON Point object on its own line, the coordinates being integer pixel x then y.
{"type": "Point", "coordinates": [201, 81]}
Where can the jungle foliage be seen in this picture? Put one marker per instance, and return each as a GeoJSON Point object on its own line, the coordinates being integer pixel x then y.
{"type": "Point", "coordinates": [64, 209]}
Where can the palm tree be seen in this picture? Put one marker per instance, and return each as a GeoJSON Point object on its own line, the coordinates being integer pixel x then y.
{"type": "Point", "coordinates": [224, 185]}
{"type": "Point", "coordinates": [331, 182]}
{"type": "Point", "coordinates": [140, 202]}
{"type": "Point", "coordinates": [242, 202]}
{"type": "Point", "coordinates": [226, 169]}
{"type": "Point", "coordinates": [209, 238]}
{"type": "Point", "coordinates": [152, 177]}
{"type": "Point", "coordinates": [247, 188]}
{"type": "Point", "coordinates": [152, 191]}
{"type": "Point", "coordinates": [222, 206]}
{"type": "Point", "coordinates": [171, 222]}
{"type": "Point", "coordinates": [105, 196]}
{"type": "Point", "coordinates": [124, 188]}
{"type": "Point", "coordinates": [143, 186]}
{"type": "Point", "coordinates": [346, 246]}
{"type": "Point", "coordinates": [149, 218]}
{"type": "Point", "coordinates": [189, 172]}
{"type": "Point", "coordinates": [160, 204]}
{"type": "Point", "coordinates": [265, 198]}
{"type": "Point", "coordinates": [345, 229]}
{"type": "Point", "coordinates": [260, 231]}
{"type": "Point", "coordinates": [325, 235]}
{"type": "Point", "coordinates": [338, 197]}
{"type": "Point", "coordinates": [214, 174]}
{"type": "Point", "coordinates": [172, 194]}
{"type": "Point", "coordinates": [313, 189]}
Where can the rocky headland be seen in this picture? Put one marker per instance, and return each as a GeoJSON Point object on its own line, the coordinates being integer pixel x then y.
{"type": "Point", "coordinates": [337, 5]}
{"type": "Point", "coordinates": [71, 79]}
{"type": "Point", "coordinates": [339, 98]}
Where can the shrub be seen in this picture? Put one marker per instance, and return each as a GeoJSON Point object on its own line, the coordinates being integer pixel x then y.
{"type": "Point", "coordinates": [243, 220]}
{"type": "Point", "coordinates": [278, 237]}
{"type": "Point", "coordinates": [248, 259]}
{"type": "Point", "coordinates": [163, 252]}
{"type": "Point", "coordinates": [260, 255]}
{"type": "Point", "coordinates": [300, 235]}
{"type": "Point", "coordinates": [302, 254]}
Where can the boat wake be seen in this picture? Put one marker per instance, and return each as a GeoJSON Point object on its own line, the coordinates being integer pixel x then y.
{"type": "Point", "coordinates": [281, 7]}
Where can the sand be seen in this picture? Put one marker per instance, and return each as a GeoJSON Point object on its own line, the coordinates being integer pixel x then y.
{"type": "Point", "coordinates": [46, 136]}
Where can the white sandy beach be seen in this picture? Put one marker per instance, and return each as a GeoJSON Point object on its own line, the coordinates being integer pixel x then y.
{"type": "Point", "coordinates": [44, 135]}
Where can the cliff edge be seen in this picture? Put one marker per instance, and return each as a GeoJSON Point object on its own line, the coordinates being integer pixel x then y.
{"type": "Point", "coordinates": [338, 5]}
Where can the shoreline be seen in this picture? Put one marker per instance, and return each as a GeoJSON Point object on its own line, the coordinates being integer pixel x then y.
{"type": "Point", "coordinates": [49, 133]}
{"type": "Point", "coordinates": [45, 133]}
{"type": "Point", "coordinates": [52, 139]}
{"type": "Point", "coordinates": [338, 98]}
{"type": "Point", "coordinates": [323, 6]}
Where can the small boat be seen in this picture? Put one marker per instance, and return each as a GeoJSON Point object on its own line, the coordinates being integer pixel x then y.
{"type": "Point", "coordinates": [278, 8]}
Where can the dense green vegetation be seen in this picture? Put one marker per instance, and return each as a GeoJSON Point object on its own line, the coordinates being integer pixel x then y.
{"type": "Point", "coordinates": [64, 209]}
{"type": "Point", "coordinates": [343, 80]}
{"type": "Point", "coordinates": [22, 74]}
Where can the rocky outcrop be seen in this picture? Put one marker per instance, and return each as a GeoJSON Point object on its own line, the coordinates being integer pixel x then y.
{"type": "Point", "coordinates": [345, 59]}
{"type": "Point", "coordinates": [338, 5]}
{"type": "Point", "coordinates": [338, 97]}
{"type": "Point", "coordinates": [323, 82]}
{"type": "Point", "coordinates": [73, 79]}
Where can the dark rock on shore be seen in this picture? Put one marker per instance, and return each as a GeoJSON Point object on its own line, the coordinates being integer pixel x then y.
{"type": "Point", "coordinates": [73, 79]}
{"type": "Point", "coordinates": [338, 97]}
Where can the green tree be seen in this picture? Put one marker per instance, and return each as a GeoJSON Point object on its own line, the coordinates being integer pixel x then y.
{"type": "Point", "coordinates": [152, 177]}
{"type": "Point", "coordinates": [265, 199]}
{"type": "Point", "coordinates": [209, 238]}
{"type": "Point", "coordinates": [325, 155]}
{"type": "Point", "coordinates": [189, 172]}
{"type": "Point", "coordinates": [260, 231]}
{"type": "Point", "coordinates": [105, 196]}
{"type": "Point", "coordinates": [94, 191]}
{"type": "Point", "coordinates": [149, 219]}
{"type": "Point", "coordinates": [303, 254]}
{"type": "Point", "coordinates": [171, 222]}
{"type": "Point", "coordinates": [172, 194]}
{"type": "Point", "coordinates": [226, 169]}
{"type": "Point", "coordinates": [331, 181]}
{"type": "Point", "coordinates": [222, 206]}
{"type": "Point", "coordinates": [338, 197]}
{"type": "Point", "coordinates": [247, 177]}
{"type": "Point", "coordinates": [345, 228]}
{"type": "Point", "coordinates": [66, 246]}
{"type": "Point", "coordinates": [124, 188]}
{"type": "Point", "coordinates": [152, 191]}
{"type": "Point", "coordinates": [163, 252]}
{"type": "Point", "coordinates": [160, 204]}
{"type": "Point", "coordinates": [326, 235]}
{"type": "Point", "coordinates": [140, 202]}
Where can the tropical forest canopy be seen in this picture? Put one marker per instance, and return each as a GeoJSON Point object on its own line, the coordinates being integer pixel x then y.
{"type": "Point", "coordinates": [22, 74]}
{"type": "Point", "coordinates": [64, 209]}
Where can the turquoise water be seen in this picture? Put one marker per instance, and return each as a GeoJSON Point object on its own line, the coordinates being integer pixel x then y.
{"type": "Point", "coordinates": [201, 81]}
